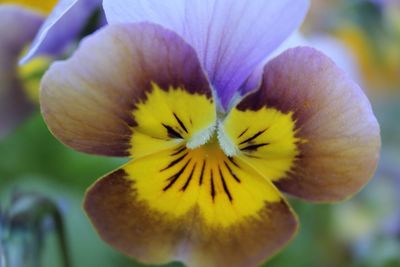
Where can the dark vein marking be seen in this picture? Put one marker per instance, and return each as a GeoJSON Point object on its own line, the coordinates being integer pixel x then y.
{"type": "Point", "coordinates": [212, 186]}
{"type": "Point", "coordinates": [176, 176]}
{"type": "Point", "coordinates": [174, 162]}
{"type": "Point", "coordinates": [232, 173]}
{"type": "Point", "coordinates": [171, 132]}
{"type": "Point", "coordinates": [180, 123]}
{"type": "Point", "coordinates": [240, 135]}
{"type": "Point", "coordinates": [202, 172]}
{"type": "Point", "coordinates": [253, 137]}
{"type": "Point", "coordinates": [251, 156]}
{"type": "Point", "coordinates": [233, 161]}
{"type": "Point", "coordinates": [180, 171]}
{"type": "Point", "coordinates": [226, 189]}
{"type": "Point", "coordinates": [178, 151]}
{"type": "Point", "coordinates": [254, 147]}
{"type": "Point", "coordinates": [159, 138]}
{"type": "Point", "coordinates": [189, 179]}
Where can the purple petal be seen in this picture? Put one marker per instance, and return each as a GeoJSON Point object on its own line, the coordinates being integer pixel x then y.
{"type": "Point", "coordinates": [331, 47]}
{"type": "Point", "coordinates": [294, 40]}
{"type": "Point", "coordinates": [230, 37]}
{"type": "Point", "coordinates": [17, 28]}
{"type": "Point", "coordinates": [61, 27]}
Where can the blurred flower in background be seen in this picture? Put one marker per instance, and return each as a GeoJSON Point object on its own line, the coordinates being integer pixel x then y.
{"type": "Point", "coordinates": [18, 27]}
{"type": "Point", "coordinates": [370, 31]}
{"type": "Point", "coordinates": [52, 27]}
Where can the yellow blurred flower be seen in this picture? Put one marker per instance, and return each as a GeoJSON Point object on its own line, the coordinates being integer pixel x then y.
{"type": "Point", "coordinates": [379, 65]}
{"type": "Point", "coordinates": [42, 6]}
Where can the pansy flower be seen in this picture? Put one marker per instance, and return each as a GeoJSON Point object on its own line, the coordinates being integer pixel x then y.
{"type": "Point", "coordinates": [208, 166]}
{"type": "Point", "coordinates": [62, 25]}
{"type": "Point", "coordinates": [51, 26]}
{"type": "Point", "coordinates": [18, 27]}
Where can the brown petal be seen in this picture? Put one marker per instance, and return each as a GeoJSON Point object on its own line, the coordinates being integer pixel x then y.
{"type": "Point", "coordinates": [88, 100]}
{"type": "Point", "coordinates": [138, 211]}
{"type": "Point", "coordinates": [338, 132]}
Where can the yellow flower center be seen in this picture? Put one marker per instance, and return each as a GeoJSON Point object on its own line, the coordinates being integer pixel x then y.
{"type": "Point", "coordinates": [227, 175]}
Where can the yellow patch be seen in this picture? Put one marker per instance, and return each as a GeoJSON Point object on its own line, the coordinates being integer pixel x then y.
{"type": "Point", "coordinates": [31, 74]}
{"type": "Point", "coordinates": [224, 190]}
{"type": "Point", "coordinates": [265, 139]}
{"type": "Point", "coordinates": [175, 178]}
{"type": "Point", "coordinates": [42, 6]}
{"type": "Point", "coordinates": [170, 117]}
{"type": "Point", "coordinates": [379, 65]}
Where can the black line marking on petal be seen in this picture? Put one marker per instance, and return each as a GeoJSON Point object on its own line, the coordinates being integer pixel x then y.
{"type": "Point", "coordinates": [233, 162]}
{"type": "Point", "coordinates": [254, 147]}
{"type": "Point", "coordinates": [189, 179]}
{"type": "Point", "coordinates": [251, 156]}
{"type": "Point", "coordinates": [158, 138]}
{"type": "Point", "coordinates": [253, 137]}
{"type": "Point", "coordinates": [232, 173]}
{"type": "Point", "coordinates": [240, 135]}
{"type": "Point", "coordinates": [180, 123]}
{"type": "Point", "coordinates": [171, 132]}
{"type": "Point", "coordinates": [202, 173]}
{"type": "Point", "coordinates": [226, 189]}
{"type": "Point", "coordinates": [180, 171]}
{"type": "Point", "coordinates": [176, 176]}
{"type": "Point", "coordinates": [212, 185]}
{"type": "Point", "coordinates": [174, 162]}
{"type": "Point", "coordinates": [178, 151]}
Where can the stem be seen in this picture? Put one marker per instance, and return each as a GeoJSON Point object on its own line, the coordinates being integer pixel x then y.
{"type": "Point", "coordinates": [30, 209]}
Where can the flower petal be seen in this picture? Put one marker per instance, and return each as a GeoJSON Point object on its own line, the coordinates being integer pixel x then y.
{"type": "Point", "coordinates": [264, 138]}
{"type": "Point", "coordinates": [17, 28]}
{"type": "Point", "coordinates": [199, 214]}
{"type": "Point", "coordinates": [230, 37]}
{"type": "Point", "coordinates": [336, 133]}
{"type": "Point", "coordinates": [129, 90]}
{"type": "Point", "coordinates": [62, 25]}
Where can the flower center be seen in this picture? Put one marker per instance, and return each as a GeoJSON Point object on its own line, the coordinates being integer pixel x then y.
{"type": "Point", "coordinates": [218, 189]}
{"type": "Point", "coordinates": [188, 160]}
{"type": "Point", "coordinates": [215, 169]}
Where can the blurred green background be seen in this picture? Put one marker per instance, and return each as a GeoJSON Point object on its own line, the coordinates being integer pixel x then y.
{"type": "Point", "coordinates": [362, 232]}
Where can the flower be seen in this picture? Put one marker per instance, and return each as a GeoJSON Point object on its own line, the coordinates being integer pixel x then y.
{"type": "Point", "coordinates": [21, 21]}
{"type": "Point", "coordinates": [61, 27]}
{"type": "Point", "coordinates": [17, 27]}
{"type": "Point", "coordinates": [208, 166]}
{"type": "Point", "coordinates": [370, 30]}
